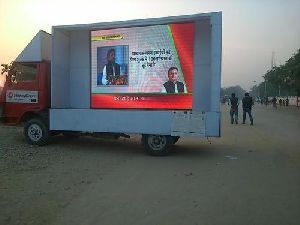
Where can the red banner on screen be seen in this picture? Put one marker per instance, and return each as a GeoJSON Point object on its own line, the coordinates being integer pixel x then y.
{"type": "Point", "coordinates": [138, 101]}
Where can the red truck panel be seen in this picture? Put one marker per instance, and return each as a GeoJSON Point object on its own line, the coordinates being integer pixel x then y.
{"type": "Point", "coordinates": [14, 111]}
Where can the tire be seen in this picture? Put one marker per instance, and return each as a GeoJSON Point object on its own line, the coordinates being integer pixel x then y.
{"type": "Point", "coordinates": [36, 132]}
{"type": "Point", "coordinates": [157, 145]}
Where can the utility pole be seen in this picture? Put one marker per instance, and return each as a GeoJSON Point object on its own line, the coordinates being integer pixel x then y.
{"type": "Point", "coordinates": [273, 61]}
{"type": "Point", "coordinates": [273, 64]}
{"type": "Point", "coordinates": [265, 89]}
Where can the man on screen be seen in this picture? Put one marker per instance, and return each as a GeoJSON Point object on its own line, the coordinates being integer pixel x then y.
{"type": "Point", "coordinates": [111, 70]}
{"type": "Point", "coordinates": [173, 85]}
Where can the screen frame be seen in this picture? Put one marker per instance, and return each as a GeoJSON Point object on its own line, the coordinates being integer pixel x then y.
{"type": "Point", "coordinates": [138, 94]}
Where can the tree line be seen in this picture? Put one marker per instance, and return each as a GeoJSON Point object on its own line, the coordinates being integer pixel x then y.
{"type": "Point", "coordinates": [281, 80]}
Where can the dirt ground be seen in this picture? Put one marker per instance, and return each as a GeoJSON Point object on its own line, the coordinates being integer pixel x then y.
{"type": "Point", "coordinates": [251, 175]}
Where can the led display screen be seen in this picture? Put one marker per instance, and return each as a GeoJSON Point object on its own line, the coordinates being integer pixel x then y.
{"type": "Point", "coordinates": [149, 67]}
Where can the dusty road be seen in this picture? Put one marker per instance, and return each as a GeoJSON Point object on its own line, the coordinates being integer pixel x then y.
{"type": "Point", "coordinates": [249, 176]}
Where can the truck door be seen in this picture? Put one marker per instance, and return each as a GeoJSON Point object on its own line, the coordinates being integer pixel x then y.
{"type": "Point", "coordinates": [22, 91]}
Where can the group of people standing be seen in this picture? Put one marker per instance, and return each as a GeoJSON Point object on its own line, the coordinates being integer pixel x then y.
{"type": "Point", "coordinates": [247, 103]}
{"type": "Point", "coordinates": [282, 102]}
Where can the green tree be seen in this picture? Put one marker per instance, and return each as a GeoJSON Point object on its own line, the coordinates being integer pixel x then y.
{"type": "Point", "coordinates": [283, 80]}
{"type": "Point", "coordinates": [286, 76]}
{"type": "Point", "coordinates": [8, 70]}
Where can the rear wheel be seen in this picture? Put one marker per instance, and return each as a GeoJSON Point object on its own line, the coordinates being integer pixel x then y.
{"type": "Point", "coordinates": [157, 145]}
{"type": "Point", "coordinates": [36, 132]}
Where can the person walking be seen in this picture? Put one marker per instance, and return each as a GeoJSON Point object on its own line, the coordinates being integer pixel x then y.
{"type": "Point", "coordinates": [266, 100]}
{"type": "Point", "coordinates": [274, 101]}
{"type": "Point", "coordinates": [234, 111]}
{"type": "Point", "coordinates": [247, 107]}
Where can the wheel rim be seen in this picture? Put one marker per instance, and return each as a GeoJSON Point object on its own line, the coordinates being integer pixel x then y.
{"type": "Point", "coordinates": [35, 132]}
{"type": "Point", "coordinates": [157, 142]}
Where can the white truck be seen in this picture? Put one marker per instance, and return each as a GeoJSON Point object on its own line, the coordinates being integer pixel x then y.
{"type": "Point", "coordinates": [156, 77]}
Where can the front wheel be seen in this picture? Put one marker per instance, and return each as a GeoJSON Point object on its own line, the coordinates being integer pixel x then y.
{"type": "Point", "coordinates": [157, 145]}
{"type": "Point", "coordinates": [36, 132]}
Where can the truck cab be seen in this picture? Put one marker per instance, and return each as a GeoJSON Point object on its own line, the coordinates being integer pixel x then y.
{"type": "Point", "coordinates": [25, 96]}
